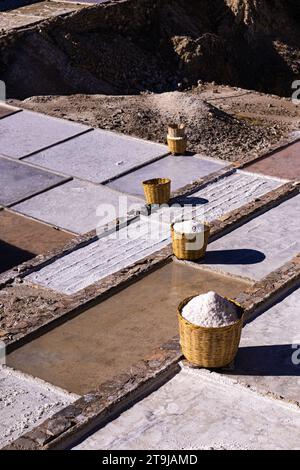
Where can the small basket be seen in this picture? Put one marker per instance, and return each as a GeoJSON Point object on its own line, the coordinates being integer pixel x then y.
{"type": "Point", "coordinates": [177, 145]}
{"type": "Point", "coordinates": [181, 242]}
{"type": "Point", "coordinates": [176, 138]}
{"type": "Point", "coordinates": [157, 191]}
{"type": "Point", "coordinates": [209, 347]}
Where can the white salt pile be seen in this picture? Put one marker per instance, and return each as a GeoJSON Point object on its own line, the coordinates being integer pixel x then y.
{"type": "Point", "coordinates": [210, 310]}
{"type": "Point", "coordinates": [188, 227]}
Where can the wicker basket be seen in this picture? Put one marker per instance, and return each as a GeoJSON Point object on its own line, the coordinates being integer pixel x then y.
{"type": "Point", "coordinates": [176, 138]}
{"type": "Point", "coordinates": [177, 145]}
{"type": "Point", "coordinates": [157, 191]}
{"type": "Point", "coordinates": [209, 347]}
{"type": "Point", "coordinates": [181, 242]}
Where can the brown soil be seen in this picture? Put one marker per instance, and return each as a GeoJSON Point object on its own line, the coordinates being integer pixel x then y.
{"type": "Point", "coordinates": [19, 303]}
{"type": "Point", "coordinates": [223, 122]}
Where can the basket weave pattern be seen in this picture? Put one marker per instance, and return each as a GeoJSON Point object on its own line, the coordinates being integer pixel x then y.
{"type": "Point", "coordinates": [157, 191]}
{"type": "Point", "coordinates": [176, 138]}
{"type": "Point", "coordinates": [181, 243]}
{"type": "Point", "coordinates": [177, 144]}
{"type": "Point", "coordinates": [209, 347]}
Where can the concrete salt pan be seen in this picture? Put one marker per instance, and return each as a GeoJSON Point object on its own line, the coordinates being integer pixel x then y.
{"type": "Point", "coordinates": [260, 246]}
{"type": "Point", "coordinates": [19, 181]}
{"type": "Point", "coordinates": [224, 417]}
{"type": "Point", "coordinates": [26, 132]}
{"type": "Point", "coordinates": [98, 155]}
{"type": "Point", "coordinates": [103, 257]}
{"type": "Point", "coordinates": [26, 402]}
{"type": "Point", "coordinates": [181, 171]}
{"type": "Point", "coordinates": [269, 354]}
{"type": "Point", "coordinates": [282, 164]}
{"type": "Point", "coordinates": [223, 196]}
{"type": "Point", "coordinates": [78, 206]}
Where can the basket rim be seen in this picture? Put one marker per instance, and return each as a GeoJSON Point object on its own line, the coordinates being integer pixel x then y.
{"type": "Point", "coordinates": [157, 182]}
{"type": "Point", "coordinates": [206, 225]}
{"type": "Point", "coordinates": [210, 328]}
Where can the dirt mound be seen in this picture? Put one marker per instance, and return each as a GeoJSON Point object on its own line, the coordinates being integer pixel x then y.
{"type": "Point", "coordinates": [210, 129]}
{"type": "Point", "coordinates": [163, 45]}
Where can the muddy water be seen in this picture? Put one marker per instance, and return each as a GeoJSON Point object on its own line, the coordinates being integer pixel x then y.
{"type": "Point", "coordinates": [22, 239]}
{"type": "Point", "coordinates": [109, 338]}
{"type": "Point", "coordinates": [283, 164]}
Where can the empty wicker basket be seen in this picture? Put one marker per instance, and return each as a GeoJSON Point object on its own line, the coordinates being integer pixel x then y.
{"type": "Point", "coordinates": [177, 141]}
{"type": "Point", "coordinates": [209, 347]}
{"type": "Point", "coordinates": [190, 247]}
{"type": "Point", "coordinates": [157, 191]}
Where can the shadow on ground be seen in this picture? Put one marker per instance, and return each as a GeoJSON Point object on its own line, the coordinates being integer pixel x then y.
{"type": "Point", "coordinates": [238, 256]}
{"type": "Point", "coordinates": [11, 256]}
{"type": "Point", "coordinates": [268, 360]}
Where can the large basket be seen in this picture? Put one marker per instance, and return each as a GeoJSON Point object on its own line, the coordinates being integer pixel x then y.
{"type": "Point", "coordinates": [188, 248]}
{"type": "Point", "coordinates": [209, 347]}
{"type": "Point", "coordinates": [157, 191]}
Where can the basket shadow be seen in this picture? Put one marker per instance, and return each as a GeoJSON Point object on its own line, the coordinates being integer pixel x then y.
{"type": "Point", "coordinates": [238, 256]}
{"type": "Point", "coordinates": [270, 360]}
{"type": "Point", "coordinates": [190, 201]}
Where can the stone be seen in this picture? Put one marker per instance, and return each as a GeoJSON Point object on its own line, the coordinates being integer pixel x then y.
{"type": "Point", "coordinates": [57, 425]}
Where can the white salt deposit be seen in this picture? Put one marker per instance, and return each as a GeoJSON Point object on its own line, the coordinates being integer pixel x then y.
{"type": "Point", "coordinates": [188, 227]}
{"type": "Point", "coordinates": [210, 310]}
